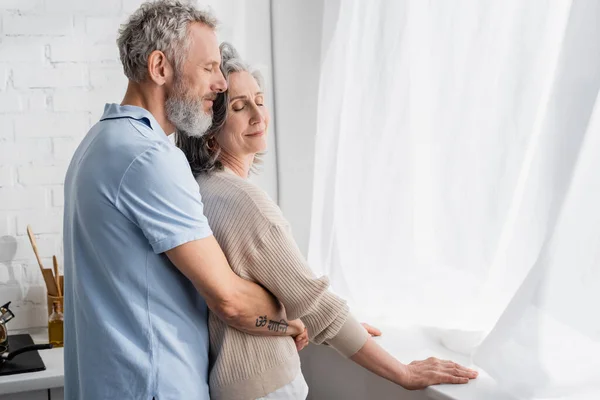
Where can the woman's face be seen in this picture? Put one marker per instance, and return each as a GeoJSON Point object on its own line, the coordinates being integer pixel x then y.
{"type": "Point", "coordinates": [245, 129]}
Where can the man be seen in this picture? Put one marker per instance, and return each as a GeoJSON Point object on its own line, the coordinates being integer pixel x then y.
{"type": "Point", "coordinates": [141, 264]}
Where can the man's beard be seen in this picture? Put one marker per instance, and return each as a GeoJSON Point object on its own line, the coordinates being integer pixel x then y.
{"type": "Point", "coordinates": [187, 112]}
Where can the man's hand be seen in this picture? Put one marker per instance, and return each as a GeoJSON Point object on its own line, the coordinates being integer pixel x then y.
{"type": "Point", "coordinates": [420, 374]}
{"type": "Point", "coordinates": [371, 329]}
{"type": "Point", "coordinates": [299, 333]}
{"type": "Point", "coordinates": [295, 328]}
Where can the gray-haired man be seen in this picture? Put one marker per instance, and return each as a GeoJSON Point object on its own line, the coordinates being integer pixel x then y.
{"type": "Point", "coordinates": [141, 264]}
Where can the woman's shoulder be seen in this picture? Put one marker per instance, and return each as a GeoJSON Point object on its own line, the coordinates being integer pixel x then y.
{"type": "Point", "coordinates": [233, 192]}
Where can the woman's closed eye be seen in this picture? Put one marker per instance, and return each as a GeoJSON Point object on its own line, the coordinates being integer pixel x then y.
{"type": "Point", "coordinates": [238, 106]}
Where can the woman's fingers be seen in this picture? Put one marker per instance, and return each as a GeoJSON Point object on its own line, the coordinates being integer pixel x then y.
{"type": "Point", "coordinates": [301, 340]}
{"type": "Point", "coordinates": [455, 380]}
{"type": "Point", "coordinates": [457, 369]}
{"type": "Point", "coordinates": [461, 372]}
{"type": "Point", "coordinates": [434, 372]}
{"type": "Point", "coordinates": [300, 344]}
{"type": "Point", "coordinates": [371, 329]}
{"type": "Point", "coordinates": [303, 345]}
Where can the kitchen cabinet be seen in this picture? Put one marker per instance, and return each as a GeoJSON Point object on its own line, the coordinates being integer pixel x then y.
{"type": "Point", "coordinates": [56, 394]}
{"type": "Point", "coordinates": [48, 394]}
{"type": "Point", "coordinates": [36, 395]}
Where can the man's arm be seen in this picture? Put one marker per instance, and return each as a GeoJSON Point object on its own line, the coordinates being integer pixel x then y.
{"type": "Point", "coordinates": [159, 194]}
{"type": "Point", "coordinates": [242, 304]}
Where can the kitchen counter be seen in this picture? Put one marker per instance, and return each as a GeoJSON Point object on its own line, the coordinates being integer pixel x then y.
{"type": "Point", "coordinates": [321, 366]}
{"type": "Point", "coordinates": [52, 377]}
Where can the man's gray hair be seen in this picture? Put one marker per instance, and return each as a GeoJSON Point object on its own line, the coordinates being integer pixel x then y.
{"type": "Point", "coordinates": [203, 152]}
{"type": "Point", "coordinates": [158, 25]}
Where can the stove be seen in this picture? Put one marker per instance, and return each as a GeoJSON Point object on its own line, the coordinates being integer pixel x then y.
{"type": "Point", "coordinates": [25, 362]}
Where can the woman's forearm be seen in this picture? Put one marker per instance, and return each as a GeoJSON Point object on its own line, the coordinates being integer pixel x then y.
{"type": "Point", "coordinates": [416, 375]}
{"type": "Point", "coordinates": [374, 358]}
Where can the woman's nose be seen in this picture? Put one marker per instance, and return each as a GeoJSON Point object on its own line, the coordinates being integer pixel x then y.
{"type": "Point", "coordinates": [257, 116]}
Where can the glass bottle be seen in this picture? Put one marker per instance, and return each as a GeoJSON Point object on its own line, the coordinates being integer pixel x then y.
{"type": "Point", "coordinates": [55, 326]}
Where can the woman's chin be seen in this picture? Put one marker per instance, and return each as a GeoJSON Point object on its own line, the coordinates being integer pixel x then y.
{"type": "Point", "coordinates": [260, 147]}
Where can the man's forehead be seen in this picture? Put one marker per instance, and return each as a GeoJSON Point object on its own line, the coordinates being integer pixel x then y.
{"type": "Point", "coordinates": [203, 43]}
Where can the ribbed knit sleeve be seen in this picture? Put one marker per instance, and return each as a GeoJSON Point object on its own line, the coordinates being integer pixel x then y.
{"type": "Point", "coordinates": [279, 266]}
{"type": "Point", "coordinates": [259, 246]}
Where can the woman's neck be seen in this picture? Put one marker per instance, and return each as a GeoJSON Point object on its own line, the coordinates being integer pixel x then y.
{"type": "Point", "coordinates": [240, 165]}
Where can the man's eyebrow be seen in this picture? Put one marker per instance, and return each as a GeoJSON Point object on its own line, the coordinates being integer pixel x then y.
{"type": "Point", "coordinates": [212, 62]}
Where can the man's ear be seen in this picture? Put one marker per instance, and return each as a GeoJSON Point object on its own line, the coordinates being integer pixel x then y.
{"type": "Point", "coordinates": [159, 68]}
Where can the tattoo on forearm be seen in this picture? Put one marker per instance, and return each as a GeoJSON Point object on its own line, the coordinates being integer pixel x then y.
{"type": "Point", "coordinates": [261, 321]}
{"type": "Point", "coordinates": [275, 326]}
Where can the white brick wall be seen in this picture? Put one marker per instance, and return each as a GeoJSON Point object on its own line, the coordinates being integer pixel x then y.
{"type": "Point", "coordinates": [43, 25]}
{"type": "Point", "coordinates": [59, 65]}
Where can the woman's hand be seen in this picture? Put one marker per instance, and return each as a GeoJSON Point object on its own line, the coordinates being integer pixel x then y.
{"type": "Point", "coordinates": [301, 340]}
{"type": "Point", "coordinates": [416, 375]}
{"type": "Point", "coordinates": [300, 334]}
{"type": "Point", "coordinates": [420, 374]}
{"type": "Point", "coordinates": [371, 329]}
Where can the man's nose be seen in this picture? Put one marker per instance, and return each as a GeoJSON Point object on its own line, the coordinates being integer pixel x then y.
{"type": "Point", "coordinates": [220, 84]}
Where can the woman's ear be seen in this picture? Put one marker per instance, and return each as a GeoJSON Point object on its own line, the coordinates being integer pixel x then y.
{"type": "Point", "coordinates": [159, 68]}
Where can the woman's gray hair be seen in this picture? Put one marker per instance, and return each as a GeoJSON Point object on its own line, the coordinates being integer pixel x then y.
{"type": "Point", "coordinates": [203, 152]}
{"type": "Point", "coordinates": [158, 25]}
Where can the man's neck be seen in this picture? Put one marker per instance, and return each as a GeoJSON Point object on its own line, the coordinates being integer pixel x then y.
{"type": "Point", "coordinates": [151, 98]}
{"type": "Point", "coordinates": [239, 165]}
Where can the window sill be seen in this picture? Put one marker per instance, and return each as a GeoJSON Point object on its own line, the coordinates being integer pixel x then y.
{"type": "Point", "coordinates": [332, 377]}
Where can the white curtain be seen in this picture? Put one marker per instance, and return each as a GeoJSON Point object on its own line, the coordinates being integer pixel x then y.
{"type": "Point", "coordinates": [457, 179]}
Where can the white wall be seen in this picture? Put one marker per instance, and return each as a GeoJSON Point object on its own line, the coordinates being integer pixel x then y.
{"type": "Point", "coordinates": [332, 377]}
{"type": "Point", "coordinates": [297, 35]}
{"type": "Point", "coordinates": [58, 67]}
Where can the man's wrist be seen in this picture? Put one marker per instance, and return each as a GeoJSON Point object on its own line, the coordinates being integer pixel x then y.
{"type": "Point", "coordinates": [295, 327]}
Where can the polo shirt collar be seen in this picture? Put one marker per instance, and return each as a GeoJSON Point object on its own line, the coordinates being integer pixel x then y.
{"type": "Point", "coordinates": [115, 111]}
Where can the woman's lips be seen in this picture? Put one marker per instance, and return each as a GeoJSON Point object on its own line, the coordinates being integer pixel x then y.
{"type": "Point", "coordinates": [255, 134]}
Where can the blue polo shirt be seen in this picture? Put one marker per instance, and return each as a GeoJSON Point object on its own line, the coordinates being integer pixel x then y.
{"type": "Point", "coordinates": [135, 327]}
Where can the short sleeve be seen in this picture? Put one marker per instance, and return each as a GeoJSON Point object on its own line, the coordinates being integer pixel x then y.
{"type": "Point", "coordinates": [158, 193]}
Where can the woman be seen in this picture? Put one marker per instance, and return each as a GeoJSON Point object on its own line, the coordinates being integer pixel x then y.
{"type": "Point", "coordinates": [259, 246]}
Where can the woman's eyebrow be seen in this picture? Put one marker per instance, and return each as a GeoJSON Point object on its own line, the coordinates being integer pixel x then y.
{"type": "Point", "coordinates": [243, 96]}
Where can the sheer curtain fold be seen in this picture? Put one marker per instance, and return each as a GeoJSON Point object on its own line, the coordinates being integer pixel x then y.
{"type": "Point", "coordinates": [452, 176]}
